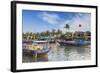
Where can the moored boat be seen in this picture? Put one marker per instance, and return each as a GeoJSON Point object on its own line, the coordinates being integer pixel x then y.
{"type": "Point", "coordinates": [40, 41]}
{"type": "Point", "coordinates": [49, 39]}
{"type": "Point", "coordinates": [35, 48]}
{"type": "Point", "coordinates": [27, 41]}
{"type": "Point", "coordinates": [76, 42]}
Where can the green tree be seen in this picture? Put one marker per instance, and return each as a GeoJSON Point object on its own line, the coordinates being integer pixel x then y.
{"type": "Point", "coordinates": [30, 33]}
{"type": "Point", "coordinates": [67, 26]}
{"type": "Point", "coordinates": [53, 32]}
{"type": "Point", "coordinates": [47, 33]}
{"type": "Point", "coordinates": [88, 33]}
{"type": "Point", "coordinates": [59, 31]}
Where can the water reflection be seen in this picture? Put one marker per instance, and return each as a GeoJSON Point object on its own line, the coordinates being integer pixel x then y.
{"type": "Point", "coordinates": [61, 53]}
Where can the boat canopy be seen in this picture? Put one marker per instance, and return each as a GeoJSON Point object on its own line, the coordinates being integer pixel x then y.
{"type": "Point", "coordinates": [46, 38]}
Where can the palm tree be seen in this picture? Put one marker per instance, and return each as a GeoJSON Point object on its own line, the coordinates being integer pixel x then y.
{"type": "Point", "coordinates": [67, 26]}
{"type": "Point", "coordinates": [53, 32]}
{"type": "Point", "coordinates": [59, 31]}
{"type": "Point", "coordinates": [42, 34]}
{"type": "Point", "coordinates": [47, 32]}
{"type": "Point", "coordinates": [30, 33]}
{"type": "Point", "coordinates": [88, 33]}
{"type": "Point", "coordinates": [24, 35]}
{"type": "Point", "coordinates": [27, 33]}
{"type": "Point", "coordinates": [37, 35]}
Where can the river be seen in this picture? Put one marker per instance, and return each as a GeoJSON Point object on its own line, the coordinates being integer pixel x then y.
{"type": "Point", "coordinates": [62, 53]}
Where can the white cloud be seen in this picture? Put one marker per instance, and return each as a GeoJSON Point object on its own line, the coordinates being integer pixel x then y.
{"type": "Point", "coordinates": [83, 19]}
{"type": "Point", "coordinates": [80, 18]}
{"type": "Point", "coordinates": [50, 18]}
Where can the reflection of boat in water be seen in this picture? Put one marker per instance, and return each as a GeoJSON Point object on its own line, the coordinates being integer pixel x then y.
{"type": "Point", "coordinates": [76, 42]}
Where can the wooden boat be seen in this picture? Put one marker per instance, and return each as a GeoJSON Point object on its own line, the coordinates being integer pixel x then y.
{"type": "Point", "coordinates": [27, 42]}
{"type": "Point", "coordinates": [34, 41]}
{"type": "Point", "coordinates": [49, 39]}
{"type": "Point", "coordinates": [35, 48]}
{"type": "Point", "coordinates": [76, 42]}
{"type": "Point", "coordinates": [40, 41]}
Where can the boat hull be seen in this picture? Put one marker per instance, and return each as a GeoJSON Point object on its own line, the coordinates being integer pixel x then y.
{"type": "Point", "coordinates": [74, 43]}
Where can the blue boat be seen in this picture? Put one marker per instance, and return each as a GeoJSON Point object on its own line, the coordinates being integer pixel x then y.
{"type": "Point", "coordinates": [76, 42]}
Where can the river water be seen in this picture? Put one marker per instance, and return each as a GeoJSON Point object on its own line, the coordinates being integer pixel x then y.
{"type": "Point", "coordinates": [62, 53]}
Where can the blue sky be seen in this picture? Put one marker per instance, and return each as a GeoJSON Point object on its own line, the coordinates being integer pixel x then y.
{"type": "Point", "coordinates": [39, 21]}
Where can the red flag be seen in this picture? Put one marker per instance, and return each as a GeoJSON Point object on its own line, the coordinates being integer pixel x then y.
{"type": "Point", "coordinates": [80, 25]}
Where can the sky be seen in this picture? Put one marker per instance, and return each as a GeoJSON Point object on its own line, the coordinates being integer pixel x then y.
{"type": "Point", "coordinates": [40, 21]}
